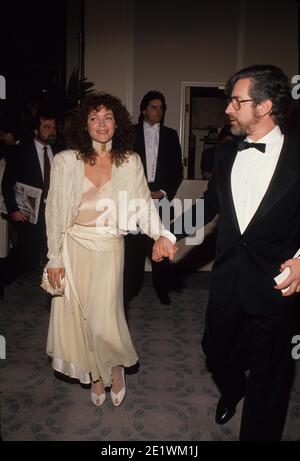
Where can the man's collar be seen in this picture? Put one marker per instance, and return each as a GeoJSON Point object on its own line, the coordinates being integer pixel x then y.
{"type": "Point", "coordinates": [273, 136]}
{"type": "Point", "coordinates": [39, 143]}
{"type": "Point", "coordinates": [147, 125]}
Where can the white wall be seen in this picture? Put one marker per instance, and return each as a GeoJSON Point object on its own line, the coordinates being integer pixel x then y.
{"type": "Point", "coordinates": [271, 36]}
{"type": "Point", "coordinates": [182, 41]}
{"type": "Point", "coordinates": [109, 47]}
{"type": "Point", "coordinates": [133, 46]}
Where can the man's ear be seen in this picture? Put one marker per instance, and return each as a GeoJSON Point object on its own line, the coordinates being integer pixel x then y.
{"type": "Point", "coordinates": [265, 107]}
{"type": "Point", "coordinates": [35, 133]}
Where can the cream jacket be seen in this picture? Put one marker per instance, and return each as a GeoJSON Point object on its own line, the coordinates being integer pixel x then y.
{"type": "Point", "coordinates": [129, 189]}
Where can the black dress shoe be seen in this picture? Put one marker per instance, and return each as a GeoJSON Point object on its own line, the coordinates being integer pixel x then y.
{"type": "Point", "coordinates": [224, 411]}
{"type": "Point", "coordinates": [165, 299]}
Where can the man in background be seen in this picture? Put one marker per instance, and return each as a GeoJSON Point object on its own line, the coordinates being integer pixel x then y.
{"type": "Point", "coordinates": [160, 152]}
{"type": "Point", "coordinates": [31, 165]}
{"type": "Point", "coordinates": [208, 155]}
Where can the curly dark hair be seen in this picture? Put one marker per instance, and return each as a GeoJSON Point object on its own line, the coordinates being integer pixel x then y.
{"type": "Point", "coordinates": [268, 82]}
{"type": "Point", "coordinates": [78, 138]}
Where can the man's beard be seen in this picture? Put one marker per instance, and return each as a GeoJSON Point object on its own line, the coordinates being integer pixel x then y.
{"type": "Point", "coordinates": [244, 128]}
{"type": "Point", "coordinates": [239, 130]}
{"type": "Point", "coordinates": [50, 140]}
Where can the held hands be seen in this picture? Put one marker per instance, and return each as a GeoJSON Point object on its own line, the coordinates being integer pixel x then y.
{"type": "Point", "coordinates": [55, 275]}
{"type": "Point", "coordinates": [158, 194]}
{"type": "Point", "coordinates": [293, 280]}
{"type": "Point", "coordinates": [163, 248]}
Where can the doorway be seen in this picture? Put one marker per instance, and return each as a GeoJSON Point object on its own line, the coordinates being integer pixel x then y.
{"type": "Point", "coordinates": [202, 117]}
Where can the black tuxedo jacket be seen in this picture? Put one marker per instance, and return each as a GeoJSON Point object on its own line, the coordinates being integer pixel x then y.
{"type": "Point", "coordinates": [253, 258]}
{"type": "Point", "coordinates": [169, 170]}
{"type": "Point", "coordinates": [22, 167]}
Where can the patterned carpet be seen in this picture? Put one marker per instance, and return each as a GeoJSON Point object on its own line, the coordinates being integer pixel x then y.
{"type": "Point", "coordinates": [170, 395]}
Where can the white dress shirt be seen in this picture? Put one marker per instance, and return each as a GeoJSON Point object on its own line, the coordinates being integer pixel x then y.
{"type": "Point", "coordinates": [151, 135]}
{"type": "Point", "coordinates": [40, 151]}
{"type": "Point", "coordinates": [251, 174]}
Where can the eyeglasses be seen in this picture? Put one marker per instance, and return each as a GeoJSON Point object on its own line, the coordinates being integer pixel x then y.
{"type": "Point", "coordinates": [236, 103]}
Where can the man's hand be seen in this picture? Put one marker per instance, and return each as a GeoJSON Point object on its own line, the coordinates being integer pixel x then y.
{"type": "Point", "coordinates": [55, 275]}
{"type": "Point", "coordinates": [18, 216]}
{"type": "Point", "coordinates": [158, 194]}
{"type": "Point", "coordinates": [163, 248]}
{"type": "Point", "coordinates": [293, 280]}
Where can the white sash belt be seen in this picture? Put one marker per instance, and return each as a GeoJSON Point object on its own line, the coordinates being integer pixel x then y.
{"type": "Point", "coordinates": [91, 239]}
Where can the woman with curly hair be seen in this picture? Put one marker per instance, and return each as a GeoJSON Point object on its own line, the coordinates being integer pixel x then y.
{"type": "Point", "coordinates": [89, 208]}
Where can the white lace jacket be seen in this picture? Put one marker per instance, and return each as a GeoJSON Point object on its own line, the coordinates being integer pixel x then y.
{"type": "Point", "coordinates": [64, 196]}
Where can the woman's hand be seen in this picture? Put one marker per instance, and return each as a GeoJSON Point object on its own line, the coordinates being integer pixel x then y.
{"type": "Point", "coordinates": [163, 248]}
{"type": "Point", "coordinates": [55, 275]}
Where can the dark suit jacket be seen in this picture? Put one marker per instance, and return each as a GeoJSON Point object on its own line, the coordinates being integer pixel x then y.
{"type": "Point", "coordinates": [23, 167]}
{"type": "Point", "coordinates": [207, 160]}
{"type": "Point", "coordinates": [253, 258]}
{"type": "Point", "coordinates": [169, 170]}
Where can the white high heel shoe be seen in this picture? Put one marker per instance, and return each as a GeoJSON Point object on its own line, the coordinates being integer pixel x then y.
{"type": "Point", "coordinates": [118, 398]}
{"type": "Point", "coordinates": [97, 399]}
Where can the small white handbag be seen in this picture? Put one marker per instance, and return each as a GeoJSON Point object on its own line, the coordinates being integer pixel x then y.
{"type": "Point", "coordinates": [45, 284]}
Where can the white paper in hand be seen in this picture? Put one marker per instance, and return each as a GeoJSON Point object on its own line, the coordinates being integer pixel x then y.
{"type": "Point", "coordinates": [284, 274]}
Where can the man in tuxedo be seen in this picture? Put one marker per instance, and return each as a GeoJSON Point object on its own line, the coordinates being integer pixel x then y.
{"type": "Point", "coordinates": [255, 189]}
{"type": "Point", "coordinates": [160, 152]}
{"type": "Point", "coordinates": [31, 166]}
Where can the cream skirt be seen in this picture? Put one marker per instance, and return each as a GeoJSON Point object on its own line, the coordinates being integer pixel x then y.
{"type": "Point", "coordinates": [88, 333]}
